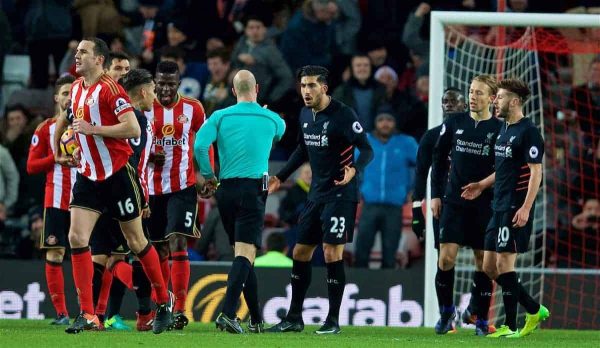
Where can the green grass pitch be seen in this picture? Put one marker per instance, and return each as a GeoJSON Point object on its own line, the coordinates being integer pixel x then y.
{"type": "Point", "coordinates": [30, 333]}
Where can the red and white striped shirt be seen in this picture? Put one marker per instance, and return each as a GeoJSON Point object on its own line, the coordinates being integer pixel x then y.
{"type": "Point", "coordinates": [143, 165]}
{"type": "Point", "coordinates": [175, 130]}
{"type": "Point", "coordinates": [100, 104]}
{"type": "Point", "coordinates": [59, 179]}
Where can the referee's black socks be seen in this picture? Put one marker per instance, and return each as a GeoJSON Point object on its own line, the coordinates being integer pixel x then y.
{"type": "Point", "coordinates": [336, 282]}
{"type": "Point", "coordinates": [251, 296]}
{"type": "Point", "coordinates": [300, 279]}
{"type": "Point", "coordinates": [142, 287]}
{"type": "Point", "coordinates": [235, 283]}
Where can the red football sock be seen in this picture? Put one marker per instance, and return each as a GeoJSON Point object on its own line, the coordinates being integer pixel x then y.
{"type": "Point", "coordinates": [104, 292]}
{"type": "Point", "coordinates": [83, 271]}
{"type": "Point", "coordinates": [180, 278]}
{"type": "Point", "coordinates": [124, 272]}
{"type": "Point", "coordinates": [56, 287]}
{"type": "Point", "coordinates": [149, 259]}
{"type": "Point", "coordinates": [165, 269]}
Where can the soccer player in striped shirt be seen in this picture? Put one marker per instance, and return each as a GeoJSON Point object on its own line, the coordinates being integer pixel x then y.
{"type": "Point", "coordinates": [172, 180]}
{"type": "Point", "coordinates": [102, 120]}
{"type": "Point", "coordinates": [59, 182]}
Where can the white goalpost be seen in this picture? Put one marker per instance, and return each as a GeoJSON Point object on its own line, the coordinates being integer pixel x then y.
{"type": "Point", "coordinates": [474, 58]}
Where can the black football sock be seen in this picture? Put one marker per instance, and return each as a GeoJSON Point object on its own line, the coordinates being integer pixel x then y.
{"type": "Point", "coordinates": [300, 279]}
{"type": "Point", "coordinates": [444, 286]}
{"type": "Point", "coordinates": [531, 306]}
{"type": "Point", "coordinates": [251, 296]}
{"type": "Point", "coordinates": [235, 283]}
{"type": "Point", "coordinates": [483, 289]}
{"type": "Point", "coordinates": [117, 291]}
{"type": "Point", "coordinates": [142, 287]}
{"type": "Point", "coordinates": [510, 295]}
{"type": "Point", "coordinates": [336, 282]}
{"type": "Point", "coordinates": [97, 282]}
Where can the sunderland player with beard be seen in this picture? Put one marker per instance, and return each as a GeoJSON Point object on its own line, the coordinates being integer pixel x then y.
{"type": "Point", "coordinates": [468, 138]}
{"type": "Point", "coordinates": [519, 152]}
{"type": "Point", "coordinates": [172, 180]}
{"type": "Point", "coordinates": [110, 249]}
{"type": "Point", "coordinates": [102, 120]}
{"type": "Point", "coordinates": [331, 132]}
{"type": "Point", "coordinates": [59, 182]}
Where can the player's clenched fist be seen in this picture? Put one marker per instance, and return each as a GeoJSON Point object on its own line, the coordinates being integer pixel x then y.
{"type": "Point", "coordinates": [274, 184]}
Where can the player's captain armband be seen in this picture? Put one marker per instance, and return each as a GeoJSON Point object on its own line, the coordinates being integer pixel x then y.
{"type": "Point", "coordinates": [120, 105]}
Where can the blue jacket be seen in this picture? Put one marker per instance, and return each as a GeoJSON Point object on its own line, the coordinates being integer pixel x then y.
{"type": "Point", "coordinates": [387, 178]}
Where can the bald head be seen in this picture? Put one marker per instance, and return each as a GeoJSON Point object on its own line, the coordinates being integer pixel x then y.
{"type": "Point", "coordinates": [244, 83]}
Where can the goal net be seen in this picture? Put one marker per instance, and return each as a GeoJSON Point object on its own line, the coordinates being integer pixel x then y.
{"type": "Point", "coordinates": [561, 269]}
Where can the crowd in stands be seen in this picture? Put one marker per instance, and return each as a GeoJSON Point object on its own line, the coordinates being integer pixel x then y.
{"type": "Point", "coordinates": [377, 52]}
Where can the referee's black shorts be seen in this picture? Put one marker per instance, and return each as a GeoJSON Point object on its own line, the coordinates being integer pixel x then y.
{"type": "Point", "coordinates": [241, 204]}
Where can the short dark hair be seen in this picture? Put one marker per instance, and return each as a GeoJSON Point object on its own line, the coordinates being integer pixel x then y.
{"type": "Point", "coordinates": [135, 78]}
{"type": "Point", "coordinates": [63, 80]}
{"type": "Point", "coordinates": [276, 241]}
{"type": "Point", "coordinates": [118, 56]}
{"type": "Point", "coordinates": [173, 52]}
{"type": "Point", "coordinates": [314, 70]}
{"type": "Point", "coordinates": [18, 107]}
{"type": "Point", "coordinates": [516, 86]}
{"type": "Point", "coordinates": [219, 53]}
{"type": "Point", "coordinates": [452, 89]}
{"type": "Point", "coordinates": [167, 67]}
{"type": "Point", "coordinates": [101, 49]}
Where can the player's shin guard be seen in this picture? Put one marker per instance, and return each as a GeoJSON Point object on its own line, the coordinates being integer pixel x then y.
{"type": "Point", "coordinates": [123, 271]}
{"type": "Point", "coordinates": [300, 279]}
{"type": "Point", "coordinates": [251, 296]}
{"type": "Point", "coordinates": [235, 282]}
{"type": "Point", "coordinates": [180, 278]}
{"type": "Point", "coordinates": [510, 294]}
{"type": "Point", "coordinates": [444, 286]}
{"type": "Point", "coordinates": [83, 271]}
{"type": "Point", "coordinates": [336, 282]}
{"type": "Point", "coordinates": [107, 280]}
{"type": "Point", "coordinates": [149, 259]}
{"type": "Point", "coordinates": [483, 295]}
{"type": "Point", "coordinates": [531, 306]}
{"type": "Point", "coordinates": [56, 287]}
{"type": "Point", "coordinates": [142, 288]}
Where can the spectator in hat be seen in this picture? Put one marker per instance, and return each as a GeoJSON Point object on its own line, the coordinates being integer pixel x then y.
{"type": "Point", "coordinates": [384, 187]}
{"type": "Point", "coordinates": [254, 52]}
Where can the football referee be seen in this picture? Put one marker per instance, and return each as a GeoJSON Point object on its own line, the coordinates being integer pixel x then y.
{"type": "Point", "coordinates": [244, 133]}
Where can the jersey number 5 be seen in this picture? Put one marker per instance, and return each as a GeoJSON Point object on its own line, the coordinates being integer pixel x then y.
{"type": "Point", "coordinates": [338, 226]}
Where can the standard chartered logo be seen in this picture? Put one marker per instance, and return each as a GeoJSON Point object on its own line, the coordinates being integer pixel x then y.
{"type": "Point", "coordinates": [203, 302]}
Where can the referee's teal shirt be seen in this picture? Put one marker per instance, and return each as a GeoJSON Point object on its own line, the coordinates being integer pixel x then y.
{"type": "Point", "coordinates": [245, 133]}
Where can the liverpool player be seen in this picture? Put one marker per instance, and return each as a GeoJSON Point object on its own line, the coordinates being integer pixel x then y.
{"type": "Point", "coordinates": [103, 119]}
{"type": "Point", "coordinates": [172, 180]}
{"type": "Point", "coordinates": [59, 182]}
{"type": "Point", "coordinates": [331, 132]}
{"type": "Point", "coordinates": [468, 138]}
{"type": "Point", "coordinates": [519, 151]}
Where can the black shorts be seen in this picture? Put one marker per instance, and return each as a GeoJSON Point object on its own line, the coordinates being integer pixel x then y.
{"type": "Point", "coordinates": [502, 237]}
{"type": "Point", "coordinates": [328, 222]}
{"type": "Point", "coordinates": [56, 229]}
{"type": "Point", "coordinates": [241, 204]}
{"type": "Point", "coordinates": [464, 224]}
{"type": "Point", "coordinates": [173, 213]}
{"type": "Point", "coordinates": [119, 195]}
{"type": "Point", "coordinates": [107, 238]}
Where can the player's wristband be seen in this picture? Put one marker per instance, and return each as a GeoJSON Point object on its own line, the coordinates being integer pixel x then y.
{"type": "Point", "coordinates": [417, 204]}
